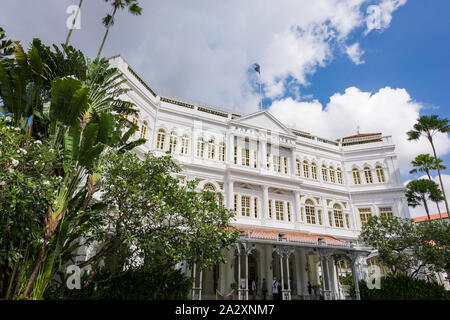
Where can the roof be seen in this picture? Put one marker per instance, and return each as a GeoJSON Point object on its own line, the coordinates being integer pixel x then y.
{"type": "Point", "coordinates": [360, 135]}
{"type": "Point", "coordinates": [293, 236]}
{"type": "Point", "coordinates": [432, 217]}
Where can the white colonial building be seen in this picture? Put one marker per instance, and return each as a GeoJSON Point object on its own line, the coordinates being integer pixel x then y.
{"type": "Point", "coordinates": [300, 200]}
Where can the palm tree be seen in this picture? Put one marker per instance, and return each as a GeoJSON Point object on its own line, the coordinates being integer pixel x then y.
{"type": "Point", "coordinates": [428, 126]}
{"type": "Point", "coordinates": [108, 21]}
{"type": "Point", "coordinates": [419, 190]}
{"type": "Point", "coordinates": [73, 22]}
{"type": "Point", "coordinates": [425, 163]}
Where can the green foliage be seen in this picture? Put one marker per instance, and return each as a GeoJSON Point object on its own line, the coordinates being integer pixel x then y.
{"type": "Point", "coordinates": [144, 283]}
{"type": "Point", "coordinates": [27, 187]}
{"type": "Point", "coordinates": [418, 191]}
{"type": "Point", "coordinates": [425, 163]}
{"type": "Point", "coordinates": [150, 212]}
{"type": "Point", "coordinates": [402, 287]}
{"type": "Point", "coordinates": [408, 247]}
{"type": "Point", "coordinates": [347, 280]}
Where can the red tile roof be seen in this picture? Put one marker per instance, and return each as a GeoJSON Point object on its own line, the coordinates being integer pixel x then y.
{"type": "Point", "coordinates": [359, 135]}
{"type": "Point", "coordinates": [432, 216]}
{"type": "Point", "coordinates": [293, 236]}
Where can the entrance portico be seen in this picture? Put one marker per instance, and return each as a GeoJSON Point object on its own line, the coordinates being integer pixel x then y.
{"type": "Point", "coordinates": [293, 259]}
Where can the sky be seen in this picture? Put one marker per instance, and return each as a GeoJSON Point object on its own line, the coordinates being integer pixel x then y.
{"type": "Point", "coordinates": [327, 66]}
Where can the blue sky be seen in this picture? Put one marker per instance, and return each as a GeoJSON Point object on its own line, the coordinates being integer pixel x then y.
{"type": "Point", "coordinates": [413, 53]}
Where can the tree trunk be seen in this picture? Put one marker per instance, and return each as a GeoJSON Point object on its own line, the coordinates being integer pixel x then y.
{"type": "Point", "coordinates": [35, 272]}
{"type": "Point", "coordinates": [437, 202]}
{"type": "Point", "coordinates": [73, 23]}
{"type": "Point", "coordinates": [426, 206]}
{"type": "Point", "coordinates": [439, 173]}
{"type": "Point", "coordinates": [106, 34]}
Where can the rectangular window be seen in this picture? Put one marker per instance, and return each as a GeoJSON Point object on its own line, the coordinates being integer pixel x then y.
{"type": "Point", "coordinates": [330, 218]}
{"type": "Point", "coordinates": [332, 176]}
{"type": "Point", "coordinates": [386, 212]}
{"type": "Point", "coordinates": [245, 157]}
{"type": "Point", "coordinates": [277, 163]}
{"type": "Point", "coordinates": [236, 203]}
{"type": "Point", "coordinates": [268, 161]}
{"type": "Point", "coordinates": [298, 166]}
{"type": "Point", "coordinates": [285, 165]}
{"type": "Point", "coordinates": [279, 209]}
{"type": "Point", "coordinates": [305, 169]}
{"type": "Point", "coordinates": [324, 174]}
{"type": "Point", "coordinates": [245, 206]}
{"type": "Point", "coordinates": [270, 209]}
{"type": "Point", "coordinates": [255, 159]}
{"type": "Point", "coordinates": [339, 176]}
{"type": "Point", "coordinates": [256, 206]}
{"type": "Point", "coordinates": [289, 211]}
{"type": "Point", "coordinates": [314, 171]}
{"type": "Point", "coordinates": [222, 152]}
{"type": "Point", "coordinates": [235, 155]}
{"type": "Point", "coordinates": [302, 212]}
{"type": "Point", "coordinates": [319, 216]}
{"type": "Point", "coordinates": [347, 220]}
{"type": "Point", "coordinates": [338, 219]}
{"type": "Point", "coordinates": [364, 214]}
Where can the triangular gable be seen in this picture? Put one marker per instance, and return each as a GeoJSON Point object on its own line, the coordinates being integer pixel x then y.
{"type": "Point", "coordinates": [263, 119]}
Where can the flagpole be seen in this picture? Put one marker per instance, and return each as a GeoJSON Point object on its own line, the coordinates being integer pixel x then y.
{"type": "Point", "coordinates": [260, 92]}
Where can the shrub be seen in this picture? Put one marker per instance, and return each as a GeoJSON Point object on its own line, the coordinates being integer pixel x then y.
{"type": "Point", "coordinates": [402, 287]}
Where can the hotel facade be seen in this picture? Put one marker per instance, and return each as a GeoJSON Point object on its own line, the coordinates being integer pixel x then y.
{"type": "Point", "coordinates": [300, 200]}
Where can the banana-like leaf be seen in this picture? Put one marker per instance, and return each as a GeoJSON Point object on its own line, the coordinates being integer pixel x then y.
{"type": "Point", "coordinates": [106, 127]}
{"type": "Point", "coordinates": [72, 145]}
{"type": "Point", "coordinates": [69, 100]}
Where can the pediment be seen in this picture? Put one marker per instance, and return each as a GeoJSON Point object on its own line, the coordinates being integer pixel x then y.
{"type": "Point", "coordinates": [264, 120]}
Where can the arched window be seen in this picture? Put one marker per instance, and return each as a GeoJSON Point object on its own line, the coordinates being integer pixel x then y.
{"type": "Point", "coordinates": [339, 176]}
{"type": "Point", "coordinates": [338, 217]}
{"type": "Point", "coordinates": [144, 129]}
{"type": "Point", "coordinates": [299, 165]}
{"type": "Point", "coordinates": [200, 147]}
{"type": "Point", "coordinates": [305, 169]}
{"type": "Point", "coordinates": [310, 212]}
{"type": "Point", "coordinates": [173, 142]}
{"type": "Point", "coordinates": [314, 171]}
{"type": "Point", "coordinates": [160, 138]}
{"type": "Point", "coordinates": [184, 144]}
{"type": "Point", "coordinates": [332, 175]}
{"type": "Point", "coordinates": [211, 149]}
{"type": "Point", "coordinates": [380, 174]}
{"type": "Point", "coordinates": [356, 176]}
{"type": "Point", "coordinates": [368, 175]}
{"type": "Point", "coordinates": [222, 151]}
{"type": "Point", "coordinates": [324, 173]}
{"type": "Point", "coordinates": [209, 187]}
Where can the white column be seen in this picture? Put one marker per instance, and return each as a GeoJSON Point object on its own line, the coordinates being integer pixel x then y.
{"type": "Point", "coordinates": [265, 203]}
{"type": "Point", "coordinates": [269, 269]}
{"type": "Point", "coordinates": [230, 195]}
{"type": "Point", "coordinates": [263, 154]}
{"type": "Point", "coordinates": [288, 277]}
{"type": "Point", "coordinates": [230, 148]}
{"type": "Point", "coordinates": [282, 275]}
{"type": "Point", "coordinates": [296, 204]}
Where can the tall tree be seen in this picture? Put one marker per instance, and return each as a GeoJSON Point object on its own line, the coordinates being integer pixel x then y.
{"type": "Point", "coordinates": [419, 190]}
{"type": "Point", "coordinates": [73, 22]}
{"type": "Point", "coordinates": [108, 21]}
{"type": "Point", "coordinates": [425, 163]}
{"type": "Point", "coordinates": [428, 126]}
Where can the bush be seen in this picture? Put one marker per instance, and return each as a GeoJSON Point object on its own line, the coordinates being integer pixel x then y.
{"type": "Point", "coordinates": [402, 287]}
{"type": "Point", "coordinates": [138, 284]}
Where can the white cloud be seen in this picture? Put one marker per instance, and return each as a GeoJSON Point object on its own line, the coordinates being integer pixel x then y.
{"type": "Point", "coordinates": [379, 16]}
{"type": "Point", "coordinates": [419, 211]}
{"type": "Point", "coordinates": [389, 111]}
{"type": "Point", "coordinates": [355, 53]}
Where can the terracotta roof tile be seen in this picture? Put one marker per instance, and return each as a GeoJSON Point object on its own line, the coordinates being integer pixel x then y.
{"type": "Point", "coordinates": [432, 216]}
